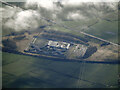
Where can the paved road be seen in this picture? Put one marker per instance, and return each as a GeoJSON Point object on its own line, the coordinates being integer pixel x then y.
{"type": "Point", "coordinates": [98, 38]}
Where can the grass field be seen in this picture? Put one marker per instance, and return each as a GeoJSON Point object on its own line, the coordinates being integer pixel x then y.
{"type": "Point", "coordinates": [105, 30]}
{"type": "Point", "coordinates": [21, 71]}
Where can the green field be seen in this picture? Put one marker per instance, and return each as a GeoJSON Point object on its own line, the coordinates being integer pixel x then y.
{"type": "Point", "coordinates": [105, 30]}
{"type": "Point", "coordinates": [21, 71]}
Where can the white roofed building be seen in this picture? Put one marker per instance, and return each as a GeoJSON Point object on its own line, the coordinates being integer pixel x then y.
{"type": "Point", "coordinates": [59, 44]}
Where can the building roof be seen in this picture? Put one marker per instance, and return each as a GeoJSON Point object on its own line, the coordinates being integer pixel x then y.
{"type": "Point", "coordinates": [59, 44]}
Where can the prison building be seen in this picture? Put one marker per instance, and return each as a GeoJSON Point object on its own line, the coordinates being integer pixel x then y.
{"type": "Point", "coordinates": [59, 44]}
